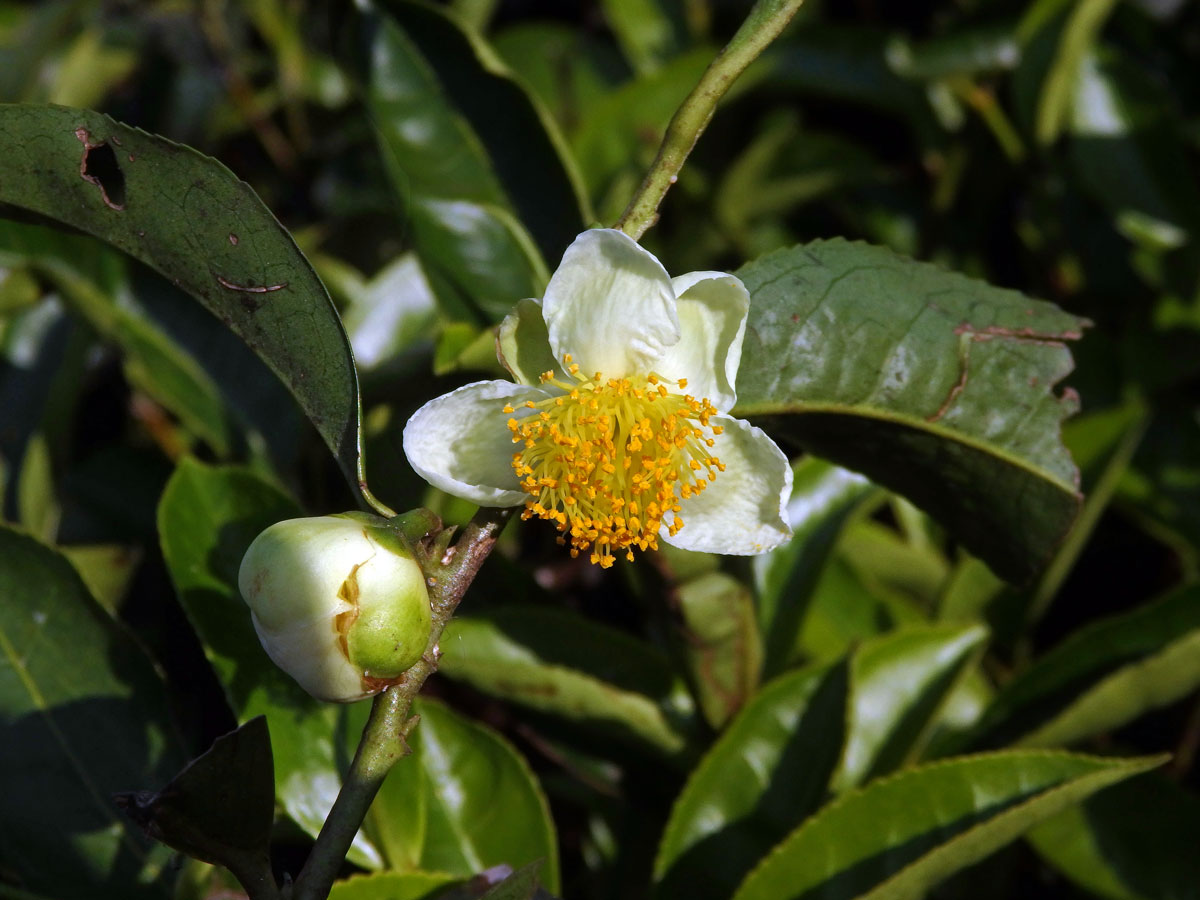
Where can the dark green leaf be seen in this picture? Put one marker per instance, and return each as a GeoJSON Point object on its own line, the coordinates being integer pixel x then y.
{"type": "Point", "coordinates": [1135, 841]}
{"type": "Point", "coordinates": [900, 836]}
{"type": "Point", "coordinates": [560, 663]}
{"type": "Point", "coordinates": [82, 716]}
{"type": "Point", "coordinates": [767, 772]}
{"type": "Point", "coordinates": [191, 219]}
{"type": "Point", "coordinates": [1101, 676]}
{"type": "Point", "coordinates": [220, 808]}
{"type": "Point", "coordinates": [90, 277]}
{"type": "Point", "coordinates": [971, 51]}
{"type": "Point", "coordinates": [932, 384]}
{"type": "Point", "coordinates": [520, 885]}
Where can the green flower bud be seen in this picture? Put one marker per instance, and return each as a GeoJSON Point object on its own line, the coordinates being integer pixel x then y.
{"type": "Point", "coordinates": [338, 602]}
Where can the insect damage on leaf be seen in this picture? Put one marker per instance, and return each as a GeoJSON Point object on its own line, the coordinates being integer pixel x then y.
{"type": "Point", "coordinates": [99, 166]}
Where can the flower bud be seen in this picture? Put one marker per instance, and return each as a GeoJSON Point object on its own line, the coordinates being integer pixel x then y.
{"type": "Point", "coordinates": [338, 602]}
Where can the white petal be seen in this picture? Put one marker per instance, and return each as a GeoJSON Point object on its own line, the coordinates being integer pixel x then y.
{"type": "Point", "coordinates": [712, 322]}
{"type": "Point", "coordinates": [460, 442]}
{"type": "Point", "coordinates": [610, 305]}
{"type": "Point", "coordinates": [523, 346]}
{"type": "Point", "coordinates": [744, 509]}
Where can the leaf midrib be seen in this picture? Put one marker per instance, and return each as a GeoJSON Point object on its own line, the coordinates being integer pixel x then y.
{"type": "Point", "coordinates": [870, 412]}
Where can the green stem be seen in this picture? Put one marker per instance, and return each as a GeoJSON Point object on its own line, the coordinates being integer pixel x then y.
{"type": "Point", "coordinates": [449, 571]}
{"type": "Point", "coordinates": [766, 20]}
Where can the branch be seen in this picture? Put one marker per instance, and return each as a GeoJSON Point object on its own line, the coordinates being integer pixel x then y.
{"type": "Point", "coordinates": [766, 20]}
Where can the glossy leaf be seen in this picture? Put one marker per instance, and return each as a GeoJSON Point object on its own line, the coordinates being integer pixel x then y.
{"type": "Point", "coordinates": [1102, 676]}
{"type": "Point", "coordinates": [191, 219]}
{"type": "Point", "coordinates": [390, 886]}
{"type": "Point", "coordinates": [1135, 841]}
{"type": "Point", "coordinates": [898, 685]}
{"type": "Point", "coordinates": [206, 519]}
{"type": "Point", "coordinates": [559, 663]}
{"type": "Point", "coordinates": [767, 771]}
{"type": "Point", "coordinates": [900, 836]}
{"type": "Point", "coordinates": [82, 715]}
{"type": "Point", "coordinates": [523, 144]}
{"type": "Point", "coordinates": [722, 643]}
{"type": "Point", "coordinates": [484, 804]}
{"type": "Point", "coordinates": [477, 257]}
{"type": "Point", "coordinates": [1129, 153]}
{"type": "Point", "coordinates": [823, 497]}
{"type": "Point", "coordinates": [928, 382]}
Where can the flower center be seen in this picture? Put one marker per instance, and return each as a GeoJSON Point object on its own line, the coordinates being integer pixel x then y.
{"type": "Point", "coordinates": [608, 459]}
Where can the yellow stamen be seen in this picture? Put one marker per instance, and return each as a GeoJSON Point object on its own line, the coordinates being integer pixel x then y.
{"type": "Point", "coordinates": [609, 459]}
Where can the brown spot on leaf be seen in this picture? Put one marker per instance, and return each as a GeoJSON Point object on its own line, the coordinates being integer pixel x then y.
{"type": "Point", "coordinates": [250, 288]}
{"type": "Point", "coordinates": [99, 166]}
{"type": "Point", "coordinates": [233, 239]}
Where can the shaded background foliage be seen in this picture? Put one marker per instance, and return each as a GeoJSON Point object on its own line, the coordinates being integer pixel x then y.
{"type": "Point", "coordinates": [1048, 147]}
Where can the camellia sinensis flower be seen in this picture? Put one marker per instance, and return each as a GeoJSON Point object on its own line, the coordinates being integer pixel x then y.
{"type": "Point", "coordinates": [616, 428]}
{"type": "Point", "coordinates": [338, 602]}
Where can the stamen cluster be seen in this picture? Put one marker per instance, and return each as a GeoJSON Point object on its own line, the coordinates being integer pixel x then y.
{"type": "Point", "coordinates": [607, 459]}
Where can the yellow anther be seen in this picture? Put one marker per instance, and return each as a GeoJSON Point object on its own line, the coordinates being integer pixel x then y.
{"type": "Point", "coordinates": [592, 451]}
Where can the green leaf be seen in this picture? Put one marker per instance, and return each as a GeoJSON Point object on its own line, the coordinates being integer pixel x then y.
{"type": "Point", "coordinates": [485, 807]}
{"type": "Point", "coordinates": [1102, 676]}
{"type": "Point", "coordinates": [1135, 841]}
{"type": "Point", "coordinates": [477, 256]}
{"type": "Point", "coordinates": [722, 643]}
{"type": "Point", "coordinates": [898, 685]}
{"type": "Point", "coordinates": [91, 277]}
{"type": "Point", "coordinates": [930, 383]}
{"type": "Point", "coordinates": [82, 715]}
{"type": "Point", "coordinates": [559, 663]}
{"type": "Point", "coordinates": [967, 51]}
{"type": "Point", "coordinates": [898, 837]}
{"type": "Point", "coordinates": [390, 886]}
{"type": "Point", "coordinates": [1127, 149]}
{"type": "Point", "coordinates": [823, 498]}
{"type": "Point", "coordinates": [1079, 33]}
{"type": "Point", "coordinates": [191, 219]}
{"type": "Point", "coordinates": [767, 772]}
{"type": "Point", "coordinates": [520, 885]}
{"type": "Point", "coordinates": [644, 30]}
{"type": "Point", "coordinates": [522, 141]}
{"type": "Point", "coordinates": [206, 519]}
{"type": "Point", "coordinates": [220, 808]}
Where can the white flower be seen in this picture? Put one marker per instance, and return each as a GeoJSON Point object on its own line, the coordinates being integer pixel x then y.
{"type": "Point", "coordinates": [616, 428]}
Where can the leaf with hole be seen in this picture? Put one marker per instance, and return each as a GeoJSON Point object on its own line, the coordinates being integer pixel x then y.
{"type": "Point", "coordinates": [930, 383]}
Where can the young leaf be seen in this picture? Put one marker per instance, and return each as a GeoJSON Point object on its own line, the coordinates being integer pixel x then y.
{"type": "Point", "coordinates": [898, 837]}
{"type": "Point", "coordinates": [930, 383]}
{"type": "Point", "coordinates": [1101, 677]}
{"type": "Point", "coordinates": [559, 663]}
{"type": "Point", "coordinates": [768, 771]}
{"type": "Point", "coordinates": [82, 716]}
{"type": "Point", "coordinates": [191, 219]}
{"type": "Point", "coordinates": [390, 886]}
{"type": "Point", "coordinates": [898, 683]}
